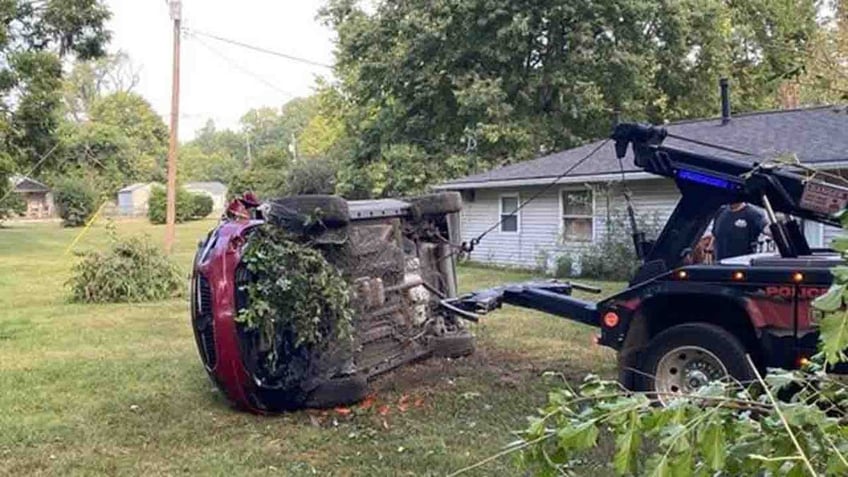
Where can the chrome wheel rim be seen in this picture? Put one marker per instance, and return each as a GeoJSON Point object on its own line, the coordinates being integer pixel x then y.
{"type": "Point", "coordinates": [684, 370]}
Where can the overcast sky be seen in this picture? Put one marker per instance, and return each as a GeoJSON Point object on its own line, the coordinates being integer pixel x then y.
{"type": "Point", "coordinates": [221, 81]}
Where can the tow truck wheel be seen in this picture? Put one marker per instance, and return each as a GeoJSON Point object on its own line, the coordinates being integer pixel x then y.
{"type": "Point", "coordinates": [684, 358]}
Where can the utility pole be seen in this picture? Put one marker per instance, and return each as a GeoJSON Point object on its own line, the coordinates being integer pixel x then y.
{"type": "Point", "coordinates": [247, 141]}
{"type": "Point", "coordinates": [171, 210]}
{"type": "Point", "coordinates": [293, 146]}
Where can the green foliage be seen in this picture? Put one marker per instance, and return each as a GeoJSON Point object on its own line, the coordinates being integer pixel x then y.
{"type": "Point", "coordinates": [195, 164]}
{"type": "Point", "coordinates": [10, 203]}
{"type": "Point", "coordinates": [36, 37]}
{"type": "Point", "coordinates": [482, 83]}
{"type": "Point", "coordinates": [189, 206]}
{"type": "Point", "coordinates": [143, 128]}
{"type": "Point", "coordinates": [294, 293]}
{"type": "Point", "coordinates": [720, 430]}
{"type": "Point", "coordinates": [311, 175]}
{"type": "Point", "coordinates": [265, 183]}
{"type": "Point", "coordinates": [833, 338]}
{"type": "Point", "coordinates": [613, 257]}
{"type": "Point", "coordinates": [202, 205]}
{"type": "Point", "coordinates": [75, 201]}
{"type": "Point", "coordinates": [131, 270]}
{"type": "Point", "coordinates": [563, 266]}
{"type": "Point", "coordinates": [88, 81]}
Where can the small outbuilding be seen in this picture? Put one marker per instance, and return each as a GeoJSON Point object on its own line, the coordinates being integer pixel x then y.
{"type": "Point", "coordinates": [216, 190]}
{"type": "Point", "coordinates": [37, 196]}
{"type": "Point", "coordinates": [133, 199]}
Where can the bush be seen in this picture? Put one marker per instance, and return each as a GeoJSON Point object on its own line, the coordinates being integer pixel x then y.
{"type": "Point", "coordinates": [264, 182]}
{"type": "Point", "coordinates": [563, 268]}
{"type": "Point", "coordinates": [75, 200]}
{"type": "Point", "coordinates": [202, 205]}
{"type": "Point", "coordinates": [613, 257]}
{"type": "Point", "coordinates": [311, 175]}
{"type": "Point", "coordinates": [12, 205]}
{"type": "Point", "coordinates": [130, 270]}
{"type": "Point", "coordinates": [190, 206]}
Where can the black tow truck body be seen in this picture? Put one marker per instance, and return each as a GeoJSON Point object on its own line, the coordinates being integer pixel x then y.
{"type": "Point", "coordinates": [758, 305]}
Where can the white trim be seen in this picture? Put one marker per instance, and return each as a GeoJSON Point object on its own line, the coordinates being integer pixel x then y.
{"type": "Point", "coordinates": [561, 216]}
{"type": "Point", "coordinates": [517, 197]}
{"type": "Point", "coordinates": [547, 180]}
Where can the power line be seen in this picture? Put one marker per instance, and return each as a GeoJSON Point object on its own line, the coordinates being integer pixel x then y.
{"type": "Point", "coordinates": [238, 66]}
{"type": "Point", "coordinates": [469, 246]}
{"type": "Point", "coordinates": [259, 49]}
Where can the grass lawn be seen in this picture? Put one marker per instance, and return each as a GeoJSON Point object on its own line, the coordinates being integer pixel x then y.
{"type": "Point", "coordinates": [119, 389]}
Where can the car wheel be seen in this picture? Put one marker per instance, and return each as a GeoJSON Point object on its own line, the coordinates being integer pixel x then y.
{"type": "Point", "coordinates": [684, 358]}
{"type": "Point", "coordinates": [436, 204]}
{"type": "Point", "coordinates": [338, 392]}
{"type": "Point", "coordinates": [303, 212]}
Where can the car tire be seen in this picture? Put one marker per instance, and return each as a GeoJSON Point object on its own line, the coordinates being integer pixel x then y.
{"type": "Point", "coordinates": [685, 357]}
{"type": "Point", "coordinates": [295, 212]}
{"type": "Point", "coordinates": [453, 346]}
{"type": "Point", "coordinates": [436, 204]}
{"type": "Point", "coordinates": [338, 392]}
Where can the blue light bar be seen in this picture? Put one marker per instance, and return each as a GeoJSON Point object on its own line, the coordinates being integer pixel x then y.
{"type": "Point", "coordinates": [704, 179]}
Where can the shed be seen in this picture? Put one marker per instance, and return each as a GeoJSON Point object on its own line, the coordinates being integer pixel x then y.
{"type": "Point", "coordinates": [133, 199]}
{"type": "Point", "coordinates": [37, 196]}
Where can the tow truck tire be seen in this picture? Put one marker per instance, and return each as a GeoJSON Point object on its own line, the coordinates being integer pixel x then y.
{"type": "Point", "coordinates": [332, 211]}
{"type": "Point", "coordinates": [436, 204]}
{"type": "Point", "coordinates": [685, 357]}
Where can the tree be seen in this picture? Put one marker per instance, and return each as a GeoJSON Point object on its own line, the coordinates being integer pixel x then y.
{"type": "Point", "coordinates": [480, 83]}
{"type": "Point", "coordinates": [89, 81]}
{"type": "Point", "coordinates": [141, 126]}
{"type": "Point", "coordinates": [195, 164]}
{"type": "Point", "coordinates": [36, 35]}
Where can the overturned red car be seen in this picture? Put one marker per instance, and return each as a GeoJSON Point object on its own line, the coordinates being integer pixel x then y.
{"type": "Point", "coordinates": [400, 264]}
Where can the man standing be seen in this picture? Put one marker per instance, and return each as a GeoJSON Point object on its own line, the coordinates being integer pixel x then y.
{"type": "Point", "coordinates": [736, 230]}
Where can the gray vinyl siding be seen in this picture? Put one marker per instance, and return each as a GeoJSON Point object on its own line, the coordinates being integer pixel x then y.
{"type": "Point", "coordinates": [539, 226]}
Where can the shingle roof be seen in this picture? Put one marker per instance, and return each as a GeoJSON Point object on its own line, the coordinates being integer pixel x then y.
{"type": "Point", "coordinates": [817, 135]}
{"type": "Point", "coordinates": [27, 184]}
{"type": "Point", "coordinates": [133, 187]}
{"type": "Point", "coordinates": [212, 187]}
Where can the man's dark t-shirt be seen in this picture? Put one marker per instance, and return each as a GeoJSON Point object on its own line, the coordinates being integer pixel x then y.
{"type": "Point", "coordinates": [736, 233]}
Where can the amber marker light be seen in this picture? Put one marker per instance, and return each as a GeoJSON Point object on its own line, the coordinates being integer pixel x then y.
{"type": "Point", "coordinates": [611, 319]}
{"type": "Point", "coordinates": [797, 277]}
{"type": "Point", "coordinates": [738, 275]}
{"type": "Point", "coordinates": [682, 274]}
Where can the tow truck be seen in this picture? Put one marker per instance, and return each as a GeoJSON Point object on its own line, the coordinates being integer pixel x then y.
{"type": "Point", "coordinates": [680, 325]}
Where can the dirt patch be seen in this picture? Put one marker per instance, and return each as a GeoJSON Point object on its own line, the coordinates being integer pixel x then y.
{"type": "Point", "coordinates": [508, 368]}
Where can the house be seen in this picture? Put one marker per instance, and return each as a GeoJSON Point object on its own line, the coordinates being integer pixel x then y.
{"type": "Point", "coordinates": [579, 209]}
{"type": "Point", "coordinates": [216, 190]}
{"type": "Point", "coordinates": [133, 199]}
{"type": "Point", "coordinates": [36, 195]}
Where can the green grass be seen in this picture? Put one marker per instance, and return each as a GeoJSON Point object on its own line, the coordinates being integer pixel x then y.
{"type": "Point", "coordinates": [119, 389]}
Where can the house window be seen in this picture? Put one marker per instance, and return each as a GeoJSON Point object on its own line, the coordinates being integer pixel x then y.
{"type": "Point", "coordinates": [577, 215]}
{"type": "Point", "coordinates": [509, 213]}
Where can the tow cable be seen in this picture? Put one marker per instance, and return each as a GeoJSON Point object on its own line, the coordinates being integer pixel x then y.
{"type": "Point", "coordinates": [468, 247]}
